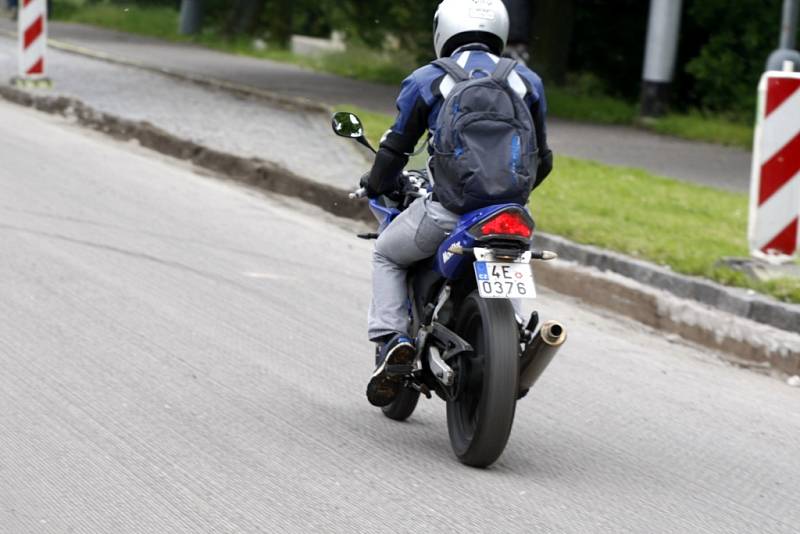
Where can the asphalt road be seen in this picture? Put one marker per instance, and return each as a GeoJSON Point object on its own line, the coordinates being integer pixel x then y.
{"type": "Point", "coordinates": [179, 354]}
{"type": "Point", "coordinates": [704, 163]}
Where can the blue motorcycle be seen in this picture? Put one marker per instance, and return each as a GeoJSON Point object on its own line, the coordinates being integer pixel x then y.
{"type": "Point", "coordinates": [473, 350]}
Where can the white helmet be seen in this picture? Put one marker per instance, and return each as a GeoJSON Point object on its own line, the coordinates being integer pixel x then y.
{"type": "Point", "coordinates": [460, 22]}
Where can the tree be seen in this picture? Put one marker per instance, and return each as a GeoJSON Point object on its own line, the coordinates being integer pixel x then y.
{"type": "Point", "coordinates": [722, 70]}
{"type": "Point", "coordinates": [244, 16]}
{"type": "Point", "coordinates": [553, 22]}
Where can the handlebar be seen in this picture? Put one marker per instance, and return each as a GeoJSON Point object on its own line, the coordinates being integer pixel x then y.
{"type": "Point", "coordinates": [418, 179]}
{"type": "Point", "coordinates": [358, 193]}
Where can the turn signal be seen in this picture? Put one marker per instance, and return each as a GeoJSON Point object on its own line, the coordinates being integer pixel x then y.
{"type": "Point", "coordinates": [507, 223]}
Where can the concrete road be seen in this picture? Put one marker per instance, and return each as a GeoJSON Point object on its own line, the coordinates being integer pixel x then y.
{"type": "Point", "coordinates": [182, 355]}
{"type": "Point", "coordinates": [704, 163]}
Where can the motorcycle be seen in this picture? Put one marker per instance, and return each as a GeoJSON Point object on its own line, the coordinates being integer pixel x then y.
{"type": "Point", "coordinates": [473, 350]}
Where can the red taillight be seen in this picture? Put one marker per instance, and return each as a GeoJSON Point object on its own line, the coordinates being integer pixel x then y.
{"type": "Point", "coordinates": [507, 223]}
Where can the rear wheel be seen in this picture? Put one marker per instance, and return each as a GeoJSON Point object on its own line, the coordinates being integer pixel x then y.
{"type": "Point", "coordinates": [479, 420]}
{"type": "Point", "coordinates": [403, 405]}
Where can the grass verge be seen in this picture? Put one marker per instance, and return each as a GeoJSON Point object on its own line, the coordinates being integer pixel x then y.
{"type": "Point", "coordinates": [697, 126]}
{"type": "Point", "coordinates": [362, 64]}
{"type": "Point", "coordinates": [574, 105]}
{"type": "Point", "coordinates": [685, 227]}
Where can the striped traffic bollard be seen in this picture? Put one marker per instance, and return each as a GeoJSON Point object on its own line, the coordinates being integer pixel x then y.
{"type": "Point", "coordinates": [32, 32]}
{"type": "Point", "coordinates": [775, 186]}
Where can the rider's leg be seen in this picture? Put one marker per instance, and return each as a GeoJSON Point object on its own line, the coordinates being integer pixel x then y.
{"type": "Point", "coordinates": [413, 236]}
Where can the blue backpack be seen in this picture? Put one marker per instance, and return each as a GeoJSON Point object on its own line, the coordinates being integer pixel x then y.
{"type": "Point", "coordinates": [484, 149]}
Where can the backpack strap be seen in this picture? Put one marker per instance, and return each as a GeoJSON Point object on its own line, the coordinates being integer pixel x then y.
{"type": "Point", "coordinates": [451, 67]}
{"type": "Point", "coordinates": [504, 69]}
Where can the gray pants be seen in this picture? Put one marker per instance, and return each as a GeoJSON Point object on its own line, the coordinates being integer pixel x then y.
{"type": "Point", "coordinates": [413, 236]}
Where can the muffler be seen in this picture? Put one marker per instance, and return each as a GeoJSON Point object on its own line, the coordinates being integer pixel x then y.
{"type": "Point", "coordinates": [539, 353]}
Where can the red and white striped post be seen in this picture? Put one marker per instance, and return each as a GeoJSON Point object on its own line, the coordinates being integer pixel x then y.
{"type": "Point", "coordinates": [32, 32]}
{"type": "Point", "coordinates": [775, 186]}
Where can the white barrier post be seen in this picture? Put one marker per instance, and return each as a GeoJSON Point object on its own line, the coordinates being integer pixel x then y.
{"type": "Point", "coordinates": [32, 37]}
{"type": "Point", "coordinates": [775, 186]}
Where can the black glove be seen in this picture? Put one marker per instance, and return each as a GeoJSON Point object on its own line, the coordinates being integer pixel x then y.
{"type": "Point", "coordinates": [401, 188]}
{"type": "Point", "coordinates": [364, 182]}
{"type": "Point", "coordinates": [398, 192]}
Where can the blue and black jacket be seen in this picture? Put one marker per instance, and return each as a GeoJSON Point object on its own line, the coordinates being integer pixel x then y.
{"type": "Point", "coordinates": [421, 98]}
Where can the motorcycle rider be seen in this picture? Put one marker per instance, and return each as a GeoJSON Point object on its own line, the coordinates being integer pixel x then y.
{"type": "Point", "coordinates": [474, 33]}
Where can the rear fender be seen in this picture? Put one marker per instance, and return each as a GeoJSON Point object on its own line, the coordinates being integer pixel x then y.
{"type": "Point", "coordinates": [453, 266]}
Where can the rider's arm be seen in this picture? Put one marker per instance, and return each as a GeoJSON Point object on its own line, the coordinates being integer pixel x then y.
{"type": "Point", "coordinates": [538, 105]}
{"type": "Point", "coordinates": [400, 140]}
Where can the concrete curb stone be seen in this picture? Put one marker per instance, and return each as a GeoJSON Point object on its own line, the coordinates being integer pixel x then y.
{"type": "Point", "coordinates": [753, 345]}
{"type": "Point", "coordinates": [253, 171]}
{"type": "Point", "coordinates": [740, 302]}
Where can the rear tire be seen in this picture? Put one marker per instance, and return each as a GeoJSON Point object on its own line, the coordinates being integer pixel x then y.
{"type": "Point", "coordinates": [403, 406]}
{"type": "Point", "coordinates": [479, 421]}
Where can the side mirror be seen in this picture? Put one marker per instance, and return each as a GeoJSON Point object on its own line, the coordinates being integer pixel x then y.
{"type": "Point", "coordinates": [346, 124]}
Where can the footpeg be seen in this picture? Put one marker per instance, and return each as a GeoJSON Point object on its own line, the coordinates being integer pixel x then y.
{"type": "Point", "coordinates": [526, 335]}
{"type": "Point", "coordinates": [399, 369]}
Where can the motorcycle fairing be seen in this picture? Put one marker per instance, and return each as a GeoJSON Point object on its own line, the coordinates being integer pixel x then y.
{"type": "Point", "coordinates": [384, 214]}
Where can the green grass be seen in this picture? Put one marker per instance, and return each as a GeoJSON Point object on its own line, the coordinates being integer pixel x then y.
{"type": "Point", "coordinates": [701, 127]}
{"type": "Point", "coordinates": [155, 21]}
{"type": "Point", "coordinates": [694, 126]}
{"type": "Point", "coordinates": [685, 227]}
{"type": "Point", "coordinates": [665, 221]}
{"type": "Point", "coordinates": [368, 65]}
{"type": "Point", "coordinates": [574, 103]}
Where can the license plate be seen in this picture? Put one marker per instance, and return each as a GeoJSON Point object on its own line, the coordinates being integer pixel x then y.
{"type": "Point", "coordinates": [504, 280]}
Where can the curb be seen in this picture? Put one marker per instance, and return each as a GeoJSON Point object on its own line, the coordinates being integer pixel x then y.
{"type": "Point", "coordinates": [720, 320]}
{"type": "Point", "coordinates": [252, 171]}
{"type": "Point", "coordinates": [736, 301]}
{"type": "Point", "coordinates": [741, 341]}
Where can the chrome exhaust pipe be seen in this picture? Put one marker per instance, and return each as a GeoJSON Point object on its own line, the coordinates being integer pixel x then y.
{"type": "Point", "coordinates": [539, 353]}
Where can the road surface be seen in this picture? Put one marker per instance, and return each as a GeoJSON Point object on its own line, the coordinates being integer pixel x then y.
{"type": "Point", "coordinates": [179, 354]}
{"type": "Point", "coordinates": [703, 163]}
